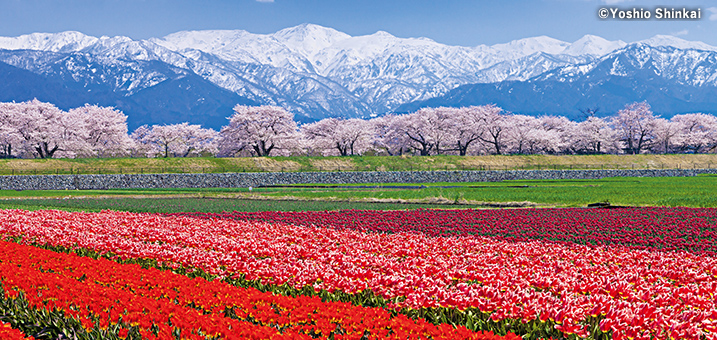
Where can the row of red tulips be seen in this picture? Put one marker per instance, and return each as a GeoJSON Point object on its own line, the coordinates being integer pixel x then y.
{"type": "Point", "coordinates": [586, 291]}
{"type": "Point", "coordinates": [691, 229]}
{"type": "Point", "coordinates": [160, 304]}
{"type": "Point", "coordinates": [9, 333]}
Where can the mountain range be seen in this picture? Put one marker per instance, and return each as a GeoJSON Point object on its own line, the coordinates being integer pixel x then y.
{"type": "Point", "coordinates": [318, 72]}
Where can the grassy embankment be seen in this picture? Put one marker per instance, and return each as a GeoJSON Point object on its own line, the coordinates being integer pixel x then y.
{"type": "Point", "coordinates": [368, 163]}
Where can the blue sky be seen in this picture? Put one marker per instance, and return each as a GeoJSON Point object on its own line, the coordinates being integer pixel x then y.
{"type": "Point", "coordinates": [467, 23]}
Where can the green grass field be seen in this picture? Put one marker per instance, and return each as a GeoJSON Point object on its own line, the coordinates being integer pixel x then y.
{"type": "Point", "coordinates": [357, 163]}
{"type": "Point", "coordinates": [700, 191]}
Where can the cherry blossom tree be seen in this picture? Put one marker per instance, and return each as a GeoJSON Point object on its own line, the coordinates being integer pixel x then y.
{"type": "Point", "coordinates": [155, 141]}
{"type": "Point", "coordinates": [440, 128]}
{"type": "Point", "coordinates": [494, 122]}
{"type": "Point", "coordinates": [427, 130]}
{"type": "Point", "coordinates": [388, 136]}
{"type": "Point", "coordinates": [261, 129]}
{"type": "Point", "coordinates": [304, 147]}
{"type": "Point", "coordinates": [193, 140]}
{"type": "Point", "coordinates": [348, 137]}
{"type": "Point", "coordinates": [466, 127]}
{"type": "Point", "coordinates": [176, 140]}
{"type": "Point", "coordinates": [106, 130]}
{"type": "Point", "coordinates": [45, 131]}
{"type": "Point", "coordinates": [695, 132]}
{"type": "Point", "coordinates": [560, 127]}
{"type": "Point", "coordinates": [36, 123]}
{"type": "Point", "coordinates": [544, 141]}
{"type": "Point", "coordinates": [34, 128]}
{"type": "Point", "coordinates": [412, 127]}
{"type": "Point", "coordinates": [593, 136]}
{"type": "Point", "coordinates": [141, 142]}
{"type": "Point", "coordinates": [73, 133]}
{"type": "Point", "coordinates": [635, 126]}
{"type": "Point", "coordinates": [521, 133]}
{"type": "Point", "coordinates": [664, 134]}
{"type": "Point", "coordinates": [10, 138]}
{"type": "Point", "coordinates": [531, 135]}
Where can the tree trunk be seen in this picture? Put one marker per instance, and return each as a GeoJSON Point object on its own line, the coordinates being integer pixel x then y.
{"type": "Point", "coordinates": [44, 151]}
{"type": "Point", "coordinates": [261, 149]}
{"type": "Point", "coordinates": [342, 151]}
{"type": "Point", "coordinates": [425, 149]}
{"type": "Point", "coordinates": [496, 143]}
{"type": "Point", "coordinates": [495, 140]}
{"type": "Point", "coordinates": [462, 149]}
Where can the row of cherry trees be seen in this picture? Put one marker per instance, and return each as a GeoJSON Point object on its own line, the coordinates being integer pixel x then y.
{"type": "Point", "coordinates": [481, 130]}
{"type": "Point", "coordinates": [41, 130]}
{"type": "Point", "coordinates": [37, 129]}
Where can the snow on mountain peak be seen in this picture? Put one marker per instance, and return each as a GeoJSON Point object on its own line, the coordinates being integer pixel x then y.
{"type": "Point", "coordinates": [315, 43]}
{"type": "Point", "coordinates": [306, 31]}
{"type": "Point", "coordinates": [354, 50]}
{"type": "Point", "coordinates": [523, 47]}
{"type": "Point", "coordinates": [383, 34]}
{"type": "Point", "coordinates": [68, 41]}
{"type": "Point", "coordinates": [234, 45]}
{"type": "Point", "coordinates": [207, 40]}
{"type": "Point", "coordinates": [309, 39]}
{"type": "Point", "coordinates": [593, 45]}
{"type": "Point", "coordinates": [672, 41]}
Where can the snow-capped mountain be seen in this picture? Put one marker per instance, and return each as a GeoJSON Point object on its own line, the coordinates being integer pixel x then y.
{"type": "Point", "coordinates": [309, 40]}
{"type": "Point", "coordinates": [523, 47]}
{"type": "Point", "coordinates": [314, 71]}
{"type": "Point", "coordinates": [592, 45]}
{"type": "Point", "coordinates": [684, 67]}
{"type": "Point", "coordinates": [672, 80]}
{"type": "Point", "coordinates": [670, 41]}
{"type": "Point", "coordinates": [69, 41]}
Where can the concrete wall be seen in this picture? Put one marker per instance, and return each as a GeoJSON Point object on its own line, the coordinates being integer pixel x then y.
{"type": "Point", "coordinates": [233, 180]}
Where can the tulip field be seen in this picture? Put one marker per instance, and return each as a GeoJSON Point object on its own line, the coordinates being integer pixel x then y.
{"type": "Point", "coordinates": [105, 295]}
{"type": "Point", "coordinates": [633, 273]}
{"type": "Point", "coordinates": [9, 333]}
{"type": "Point", "coordinates": [688, 229]}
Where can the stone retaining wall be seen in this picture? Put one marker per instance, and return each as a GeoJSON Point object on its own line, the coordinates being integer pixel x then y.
{"type": "Point", "coordinates": [243, 180]}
